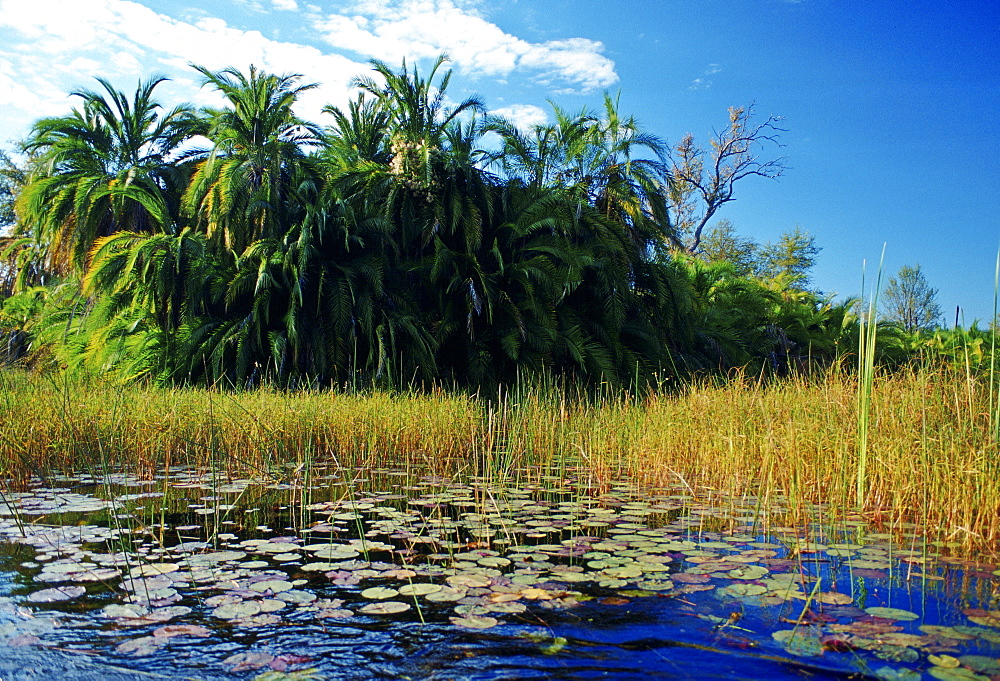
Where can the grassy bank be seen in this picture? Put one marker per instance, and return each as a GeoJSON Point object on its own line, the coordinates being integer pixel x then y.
{"type": "Point", "coordinates": [932, 460]}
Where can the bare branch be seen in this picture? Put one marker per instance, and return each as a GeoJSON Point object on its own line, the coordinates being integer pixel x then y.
{"type": "Point", "coordinates": [696, 193]}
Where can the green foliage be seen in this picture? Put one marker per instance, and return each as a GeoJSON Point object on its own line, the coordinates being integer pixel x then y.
{"type": "Point", "coordinates": [786, 262]}
{"type": "Point", "coordinates": [789, 259]}
{"type": "Point", "coordinates": [396, 247]}
{"type": "Point", "coordinates": [910, 301]}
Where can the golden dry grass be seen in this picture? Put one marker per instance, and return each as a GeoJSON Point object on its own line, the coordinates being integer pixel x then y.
{"type": "Point", "coordinates": [932, 459]}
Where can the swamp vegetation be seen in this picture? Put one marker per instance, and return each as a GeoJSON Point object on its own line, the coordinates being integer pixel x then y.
{"type": "Point", "coordinates": [422, 394]}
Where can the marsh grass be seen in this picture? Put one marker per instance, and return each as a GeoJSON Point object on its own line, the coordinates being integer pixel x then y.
{"type": "Point", "coordinates": [932, 454]}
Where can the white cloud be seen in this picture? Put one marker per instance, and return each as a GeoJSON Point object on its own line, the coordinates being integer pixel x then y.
{"type": "Point", "coordinates": [704, 82]}
{"type": "Point", "coordinates": [57, 46]}
{"type": "Point", "coordinates": [523, 116]}
{"type": "Point", "coordinates": [418, 29]}
{"type": "Point", "coordinates": [49, 48]}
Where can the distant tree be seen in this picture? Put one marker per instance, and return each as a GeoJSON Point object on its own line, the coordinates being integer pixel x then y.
{"type": "Point", "coordinates": [790, 258]}
{"type": "Point", "coordinates": [909, 300]}
{"type": "Point", "coordinates": [721, 242]}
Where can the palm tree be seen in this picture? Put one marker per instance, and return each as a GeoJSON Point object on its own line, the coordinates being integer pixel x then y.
{"type": "Point", "coordinates": [417, 117]}
{"type": "Point", "coordinates": [604, 161]}
{"type": "Point", "coordinates": [106, 167]}
{"type": "Point", "coordinates": [243, 189]}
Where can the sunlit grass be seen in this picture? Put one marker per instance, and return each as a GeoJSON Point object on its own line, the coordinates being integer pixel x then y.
{"type": "Point", "coordinates": [932, 457]}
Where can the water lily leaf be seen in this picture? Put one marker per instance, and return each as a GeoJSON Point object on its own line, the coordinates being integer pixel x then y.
{"type": "Point", "coordinates": [297, 596]}
{"type": "Point", "coordinates": [475, 622]}
{"type": "Point", "coordinates": [468, 580]}
{"type": "Point", "coordinates": [272, 585]}
{"type": "Point", "coordinates": [833, 598]}
{"type": "Point", "coordinates": [893, 674]}
{"type": "Point", "coordinates": [64, 593]}
{"type": "Point", "coordinates": [140, 647]}
{"type": "Point", "coordinates": [166, 613]}
{"type": "Point", "coordinates": [379, 593]}
{"type": "Point", "coordinates": [337, 552]}
{"type": "Point", "coordinates": [988, 620]}
{"type": "Point", "coordinates": [749, 572]}
{"type": "Point", "coordinates": [232, 611]}
{"type": "Point", "coordinates": [249, 660]}
{"type": "Point", "coordinates": [800, 642]}
{"type": "Point", "coordinates": [981, 663]}
{"type": "Point", "coordinates": [743, 590]}
{"type": "Point", "coordinates": [272, 605]}
{"type": "Point", "coordinates": [494, 561]}
{"type": "Point", "coordinates": [903, 639]}
{"type": "Point", "coordinates": [172, 630]}
{"type": "Point", "coordinates": [946, 632]}
{"type": "Point", "coordinates": [892, 614]}
{"type": "Point", "coordinates": [124, 611]}
{"type": "Point", "coordinates": [419, 589]}
{"type": "Point", "coordinates": [447, 594]}
{"type": "Point", "coordinates": [946, 661]}
{"type": "Point", "coordinates": [956, 674]}
{"type": "Point", "coordinates": [385, 608]}
{"type": "Point", "coordinates": [149, 569]}
{"type": "Point", "coordinates": [513, 607]}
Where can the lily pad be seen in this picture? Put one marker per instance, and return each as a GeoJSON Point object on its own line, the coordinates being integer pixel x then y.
{"type": "Point", "coordinates": [63, 593]}
{"type": "Point", "coordinates": [419, 589]}
{"type": "Point", "coordinates": [892, 614]}
{"type": "Point", "coordinates": [272, 585]}
{"type": "Point", "coordinates": [385, 608]}
{"type": "Point", "coordinates": [232, 611]}
{"type": "Point", "coordinates": [475, 622]}
{"type": "Point", "coordinates": [379, 593]}
{"type": "Point", "coordinates": [172, 630]}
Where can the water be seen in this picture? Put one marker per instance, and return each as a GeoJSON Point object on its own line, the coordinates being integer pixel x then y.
{"type": "Point", "coordinates": [399, 577]}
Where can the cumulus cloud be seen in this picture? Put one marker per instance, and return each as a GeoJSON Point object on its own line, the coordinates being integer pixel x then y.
{"type": "Point", "coordinates": [391, 30]}
{"type": "Point", "coordinates": [523, 116]}
{"type": "Point", "coordinates": [54, 47]}
{"type": "Point", "coordinates": [49, 48]}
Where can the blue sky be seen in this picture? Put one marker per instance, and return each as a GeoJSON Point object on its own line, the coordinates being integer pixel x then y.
{"type": "Point", "coordinates": [890, 107]}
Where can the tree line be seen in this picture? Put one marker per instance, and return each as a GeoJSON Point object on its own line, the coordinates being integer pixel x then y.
{"type": "Point", "coordinates": [409, 240]}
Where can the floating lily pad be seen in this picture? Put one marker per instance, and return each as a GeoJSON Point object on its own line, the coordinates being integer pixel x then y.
{"type": "Point", "coordinates": [272, 585]}
{"type": "Point", "coordinates": [468, 581]}
{"type": "Point", "coordinates": [149, 569]}
{"type": "Point", "coordinates": [379, 593]}
{"type": "Point", "coordinates": [419, 589]}
{"type": "Point", "coordinates": [475, 622]}
{"type": "Point", "coordinates": [64, 593]}
{"type": "Point", "coordinates": [140, 647]}
{"type": "Point", "coordinates": [385, 608]}
{"type": "Point", "coordinates": [447, 594]}
{"type": "Point", "coordinates": [833, 598]}
{"type": "Point", "coordinates": [172, 630]}
{"type": "Point", "coordinates": [956, 674]}
{"type": "Point", "coordinates": [743, 590]}
{"type": "Point", "coordinates": [749, 572]}
{"type": "Point", "coordinates": [892, 614]}
{"type": "Point", "coordinates": [237, 610]}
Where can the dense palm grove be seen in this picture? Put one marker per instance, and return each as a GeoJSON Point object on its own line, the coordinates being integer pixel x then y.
{"type": "Point", "coordinates": [407, 242]}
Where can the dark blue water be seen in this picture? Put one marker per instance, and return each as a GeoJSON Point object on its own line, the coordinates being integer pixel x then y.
{"type": "Point", "coordinates": [606, 632]}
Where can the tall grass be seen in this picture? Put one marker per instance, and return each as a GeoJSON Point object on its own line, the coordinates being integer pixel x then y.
{"type": "Point", "coordinates": [866, 371]}
{"type": "Point", "coordinates": [932, 455]}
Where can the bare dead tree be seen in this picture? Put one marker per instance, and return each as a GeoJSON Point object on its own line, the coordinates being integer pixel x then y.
{"type": "Point", "coordinates": [700, 182]}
